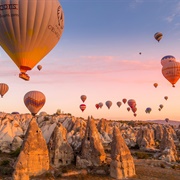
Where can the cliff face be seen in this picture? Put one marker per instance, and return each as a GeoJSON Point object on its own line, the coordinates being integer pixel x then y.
{"type": "Point", "coordinates": [122, 164]}
{"type": "Point", "coordinates": [34, 157]}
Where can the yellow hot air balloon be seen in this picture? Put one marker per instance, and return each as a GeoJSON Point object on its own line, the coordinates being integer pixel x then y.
{"type": "Point", "coordinates": [158, 36]}
{"type": "Point", "coordinates": [39, 67]}
{"type": "Point", "coordinates": [3, 89]}
{"type": "Point", "coordinates": [34, 101]}
{"type": "Point", "coordinates": [171, 71]}
{"type": "Point", "coordinates": [29, 30]}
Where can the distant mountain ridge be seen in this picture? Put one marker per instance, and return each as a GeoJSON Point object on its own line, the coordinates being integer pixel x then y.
{"type": "Point", "coordinates": [171, 122]}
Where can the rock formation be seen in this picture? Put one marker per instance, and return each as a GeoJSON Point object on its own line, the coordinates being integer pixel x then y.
{"type": "Point", "coordinates": [92, 152]}
{"type": "Point", "coordinates": [122, 164]}
{"type": "Point", "coordinates": [34, 158]}
{"type": "Point", "coordinates": [167, 146]}
{"type": "Point", "coordinates": [60, 152]}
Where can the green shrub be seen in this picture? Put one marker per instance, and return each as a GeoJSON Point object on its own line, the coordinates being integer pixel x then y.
{"type": "Point", "coordinates": [5, 162]}
{"type": "Point", "coordinates": [16, 152]}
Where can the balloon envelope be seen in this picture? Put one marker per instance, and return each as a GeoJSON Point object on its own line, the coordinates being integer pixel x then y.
{"type": "Point", "coordinates": [128, 108]}
{"type": "Point", "coordinates": [167, 120]}
{"type": "Point", "coordinates": [34, 101]}
{"type": "Point", "coordinates": [124, 100]}
{"type": "Point", "coordinates": [148, 110]}
{"type": "Point", "coordinates": [155, 85]}
{"type": "Point", "coordinates": [82, 107]}
{"type": "Point", "coordinates": [108, 104]}
{"type": "Point", "coordinates": [97, 106]}
{"type": "Point", "coordinates": [171, 71]}
{"type": "Point", "coordinates": [83, 98]}
{"type": "Point", "coordinates": [168, 58]}
{"type": "Point", "coordinates": [119, 104]}
{"type": "Point", "coordinates": [161, 106]}
{"type": "Point", "coordinates": [100, 104]}
{"type": "Point", "coordinates": [166, 97]}
{"type": "Point", "coordinates": [158, 36]}
{"type": "Point", "coordinates": [29, 30]}
{"type": "Point", "coordinates": [39, 67]}
{"type": "Point", "coordinates": [3, 89]}
{"type": "Point", "coordinates": [132, 103]}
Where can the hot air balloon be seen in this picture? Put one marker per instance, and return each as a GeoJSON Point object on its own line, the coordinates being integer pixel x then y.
{"type": "Point", "coordinates": [119, 104]}
{"type": "Point", "coordinates": [135, 114]}
{"type": "Point", "coordinates": [167, 120]}
{"type": "Point", "coordinates": [82, 107]}
{"type": "Point", "coordinates": [161, 106]}
{"type": "Point", "coordinates": [155, 85]}
{"type": "Point", "coordinates": [168, 58]}
{"type": "Point", "coordinates": [124, 100]}
{"type": "Point", "coordinates": [128, 108]}
{"type": "Point", "coordinates": [108, 104]}
{"type": "Point", "coordinates": [166, 97]}
{"type": "Point", "coordinates": [3, 89]}
{"type": "Point", "coordinates": [132, 103]}
{"type": "Point", "coordinates": [158, 36]}
{"type": "Point", "coordinates": [159, 109]}
{"type": "Point", "coordinates": [83, 98]}
{"type": "Point", "coordinates": [148, 110]}
{"type": "Point", "coordinates": [134, 109]}
{"type": "Point", "coordinates": [140, 53]}
{"type": "Point", "coordinates": [171, 71]}
{"type": "Point", "coordinates": [30, 30]}
{"type": "Point", "coordinates": [97, 106]}
{"type": "Point", "coordinates": [34, 101]}
{"type": "Point", "coordinates": [100, 104]}
{"type": "Point", "coordinates": [39, 67]}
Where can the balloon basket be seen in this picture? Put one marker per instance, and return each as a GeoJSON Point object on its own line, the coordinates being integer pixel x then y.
{"type": "Point", "coordinates": [24, 76]}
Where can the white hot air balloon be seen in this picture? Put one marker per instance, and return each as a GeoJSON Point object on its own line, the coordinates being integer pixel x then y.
{"type": "Point", "coordinates": [29, 30]}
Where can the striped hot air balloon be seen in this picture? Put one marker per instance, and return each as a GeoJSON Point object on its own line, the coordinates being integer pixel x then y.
{"type": "Point", "coordinates": [34, 101]}
{"type": "Point", "coordinates": [167, 59]}
{"type": "Point", "coordinates": [158, 36]}
{"type": "Point", "coordinates": [82, 107]}
{"type": "Point", "coordinates": [171, 71]}
{"type": "Point", "coordinates": [3, 89]}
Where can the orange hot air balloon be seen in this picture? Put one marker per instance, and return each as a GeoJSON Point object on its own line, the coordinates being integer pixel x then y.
{"type": "Point", "coordinates": [3, 89]}
{"type": "Point", "coordinates": [124, 100]}
{"type": "Point", "coordinates": [135, 114]}
{"type": "Point", "coordinates": [82, 107]}
{"type": "Point", "coordinates": [171, 71]}
{"type": "Point", "coordinates": [132, 103]}
{"type": "Point", "coordinates": [128, 108]}
{"type": "Point", "coordinates": [97, 106]}
{"type": "Point", "coordinates": [166, 97]}
{"type": "Point", "coordinates": [155, 85]}
{"type": "Point", "coordinates": [100, 104]}
{"type": "Point", "coordinates": [83, 98]}
{"type": "Point", "coordinates": [119, 104]}
{"type": "Point", "coordinates": [166, 59]}
{"type": "Point", "coordinates": [34, 101]}
{"type": "Point", "coordinates": [108, 104]}
{"type": "Point", "coordinates": [159, 109]}
{"type": "Point", "coordinates": [39, 67]}
{"type": "Point", "coordinates": [158, 36]}
{"type": "Point", "coordinates": [30, 30]}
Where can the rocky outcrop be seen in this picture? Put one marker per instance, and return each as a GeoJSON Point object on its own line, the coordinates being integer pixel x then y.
{"type": "Point", "coordinates": [92, 151]}
{"type": "Point", "coordinates": [158, 132]}
{"type": "Point", "coordinates": [16, 143]}
{"type": "Point", "coordinates": [34, 158]}
{"type": "Point", "coordinates": [145, 138]}
{"type": "Point", "coordinates": [60, 152]}
{"type": "Point", "coordinates": [167, 146]}
{"type": "Point", "coordinates": [122, 164]}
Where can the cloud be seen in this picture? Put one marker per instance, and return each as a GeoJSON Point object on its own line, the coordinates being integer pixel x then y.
{"type": "Point", "coordinates": [135, 3]}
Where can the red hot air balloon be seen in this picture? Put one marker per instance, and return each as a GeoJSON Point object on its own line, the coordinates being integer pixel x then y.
{"type": "Point", "coordinates": [134, 109]}
{"type": "Point", "coordinates": [132, 103]}
{"type": "Point", "coordinates": [83, 98]}
{"type": "Point", "coordinates": [155, 85]}
{"type": "Point", "coordinates": [135, 114]}
{"type": "Point", "coordinates": [124, 101]}
{"type": "Point", "coordinates": [128, 108]}
{"type": "Point", "coordinates": [82, 107]}
{"type": "Point", "coordinates": [97, 106]}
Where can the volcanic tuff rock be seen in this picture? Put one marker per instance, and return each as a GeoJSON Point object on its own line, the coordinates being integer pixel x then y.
{"type": "Point", "coordinates": [92, 152]}
{"type": "Point", "coordinates": [145, 138]}
{"type": "Point", "coordinates": [158, 132]}
{"type": "Point", "coordinates": [122, 164]}
{"type": "Point", "coordinates": [167, 146]}
{"type": "Point", "coordinates": [60, 152]}
{"type": "Point", "coordinates": [34, 158]}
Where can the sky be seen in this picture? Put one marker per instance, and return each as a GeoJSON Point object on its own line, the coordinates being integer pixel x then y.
{"type": "Point", "coordinates": [98, 56]}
